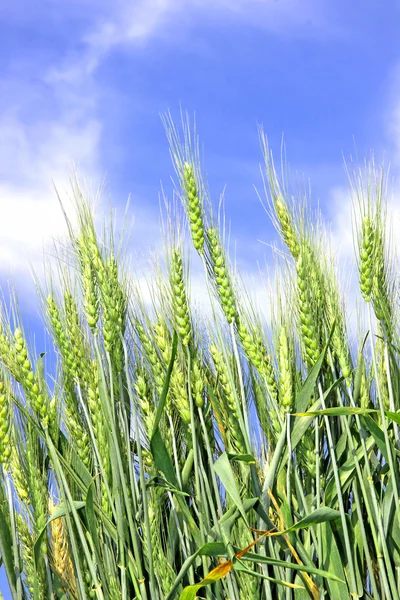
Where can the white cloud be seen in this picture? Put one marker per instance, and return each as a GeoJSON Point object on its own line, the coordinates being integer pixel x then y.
{"type": "Point", "coordinates": [32, 158]}
{"type": "Point", "coordinates": [123, 23]}
{"type": "Point", "coordinates": [37, 150]}
{"type": "Point", "coordinates": [392, 117]}
{"type": "Point", "coordinates": [342, 214]}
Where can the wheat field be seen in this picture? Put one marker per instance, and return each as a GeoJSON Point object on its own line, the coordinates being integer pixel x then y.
{"type": "Point", "coordinates": [181, 454]}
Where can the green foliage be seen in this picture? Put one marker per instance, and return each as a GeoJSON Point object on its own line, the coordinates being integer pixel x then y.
{"type": "Point", "coordinates": [176, 454]}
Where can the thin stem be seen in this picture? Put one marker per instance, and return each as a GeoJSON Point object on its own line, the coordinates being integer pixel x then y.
{"type": "Point", "coordinates": [17, 593]}
{"type": "Point", "coordinates": [353, 580]}
{"type": "Point", "coordinates": [318, 489]}
{"type": "Point", "coordinates": [289, 500]}
{"type": "Point", "coordinates": [390, 388]}
{"type": "Point", "coordinates": [241, 386]}
{"type": "Point", "coordinates": [383, 417]}
{"type": "Point", "coordinates": [196, 459]}
{"type": "Point", "coordinates": [142, 478]}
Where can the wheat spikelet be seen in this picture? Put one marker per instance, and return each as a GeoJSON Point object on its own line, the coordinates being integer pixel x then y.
{"type": "Point", "coordinates": [193, 207]}
{"type": "Point", "coordinates": [148, 412]}
{"type": "Point", "coordinates": [222, 279]}
{"type": "Point", "coordinates": [8, 354]}
{"type": "Point", "coordinates": [89, 284]}
{"type": "Point", "coordinates": [365, 398]}
{"type": "Point", "coordinates": [76, 336]}
{"type": "Point", "coordinates": [63, 341]}
{"type": "Point", "coordinates": [18, 472]}
{"type": "Point", "coordinates": [151, 355]}
{"type": "Point", "coordinates": [60, 553]}
{"type": "Point", "coordinates": [198, 384]}
{"type": "Point", "coordinates": [179, 298]}
{"type": "Point", "coordinates": [26, 542]}
{"type": "Point", "coordinates": [5, 421]}
{"type": "Point", "coordinates": [380, 285]}
{"type": "Point", "coordinates": [229, 398]}
{"type": "Point", "coordinates": [100, 428]}
{"type": "Point", "coordinates": [180, 392]}
{"type": "Point", "coordinates": [257, 354]}
{"type": "Point", "coordinates": [162, 338]}
{"type": "Point", "coordinates": [114, 312]}
{"type": "Point", "coordinates": [366, 257]}
{"type": "Point", "coordinates": [335, 317]}
{"type": "Point", "coordinates": [288, 232]}
{"type": "Point", "coordinates": [308, 331]}
{"type": "Point", "coordinates": [29, 380]}
{"type": "Point", "coordinates": [285, 372]}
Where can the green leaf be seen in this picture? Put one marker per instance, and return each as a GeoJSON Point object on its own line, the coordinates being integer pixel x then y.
{"type": "Point", "coordinates": [303, 397]}
{"type": "Point", "coordinates": [377, 434]}
{"type": "Point", "coordinates": [158, 448]}
{"type": "Point", "coordinates": [187, 469]}
{"type": "Point", "coordinates": [93, 530]}
{"type": "Point", "coordinates": [260, 559]}
{"type": "Point", "coordinates": [388, 506]}
{"type": "Point", "coordinates": [224, 471]}
{"type": "Point", "coordinates": [393, 416]}
{"type": "Point", "coordinates": [333, 563]}
{"type": "Point", "coordinates": [164, 393]}
{"type": "Point", "coordinates": [228, 520]}
{"type": "Point", "coordinates": [321, 515]}
{"type": "Point", "coordinates": [190, 593]}
{"type": "Point", "coordinates": [337, 411]}
{"type": "Point", "coordinates": [185, 567]}
{"type": "Point", "coordinates": [163, 483]}
{"type": "Point", "coordinates": [359, 372]}
{"type": "Point", "coordinates": [301, 425]}
{"type": "Point", "coordinates": [346, 473]}
{"type": "Point", "coordinates": [302, 594]}
{"type": "Point", "coordinates": [240, 567]}
{"type": "Point", "coordinates": [221, 571]}
{"type": "Point", "coordinates": [212, 549]}
{"type": "Point", "coordinates": [162, 459]}
{"type": "Point", "coordinates": [246, 458]}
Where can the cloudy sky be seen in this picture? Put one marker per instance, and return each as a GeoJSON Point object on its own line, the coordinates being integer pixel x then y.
{"type": "Point", "coordinates": [86, 80]}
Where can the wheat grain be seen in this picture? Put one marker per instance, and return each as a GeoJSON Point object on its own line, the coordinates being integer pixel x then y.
{"type": "Point", "coordinates": [5, 422]}
{"type": "Point", "coordinates": [221, 274]}
{"type": "Point", "coordinates": [60, 550]}
{"type": "Point", "coordinates": [193, 207]}
{"type": "Point", "coordinates": [179, 298]}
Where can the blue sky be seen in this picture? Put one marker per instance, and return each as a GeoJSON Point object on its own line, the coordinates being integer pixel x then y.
{"type": "Point", "coordinates": [86, 80]}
